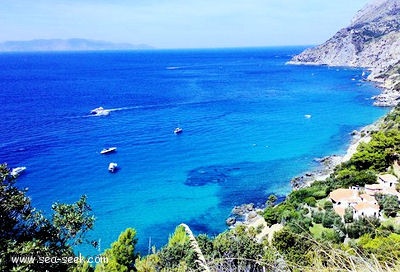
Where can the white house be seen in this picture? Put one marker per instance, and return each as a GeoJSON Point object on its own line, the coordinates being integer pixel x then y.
{"type": "Point", "coordinates": [365, 209]}
{"type": "Point", "coordinates": [388, 180]}
{"type": "Point", "coordinates": [386, 185]}
{"type": "Point", "coordinates": [344, 197]}
{"type": "Point", "coordinates": [368, 198]}
{"type": "Point", "coordinates": [373, 189]}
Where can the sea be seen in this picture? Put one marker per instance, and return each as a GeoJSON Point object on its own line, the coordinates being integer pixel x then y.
{"type": "Point", "coordinates": [250, 124]}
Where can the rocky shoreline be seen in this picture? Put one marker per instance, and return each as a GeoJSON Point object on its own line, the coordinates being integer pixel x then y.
{"type": "Point", "coordinates": [242, 213]}
{"type": "Point", "coordinates": [390, 94]}
{"type": "Point", "coordinates": [328, 163]}
{"type": "Point", "coordinates": [247, 213]}
{"type": "Point", "coordinates": [388, 81]}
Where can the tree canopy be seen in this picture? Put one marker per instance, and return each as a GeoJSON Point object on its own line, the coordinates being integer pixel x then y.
{"type": "Point", "coordinates": [25, 232]}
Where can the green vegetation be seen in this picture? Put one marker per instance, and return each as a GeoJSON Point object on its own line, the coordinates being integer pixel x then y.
{"type": "Point", "coordinates": [379, 152]}
{"type": "Point", "coordinates": [121, 256]}
{"type": "Point", "coordinates": [26, 232]}
{"type": "Point", "coordinates": [389, 204]}
{"type": "Point", "coordinates": [384, 248]}
{"type": "Point", "coordinates": [348, 215]}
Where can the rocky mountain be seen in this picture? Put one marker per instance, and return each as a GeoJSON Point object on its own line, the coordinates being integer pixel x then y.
{"type": "Point", "coordinates": [372, 40]}
{"type": "Point", "coordinates": [66, 45]}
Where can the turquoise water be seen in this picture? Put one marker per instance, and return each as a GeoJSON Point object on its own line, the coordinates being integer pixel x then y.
{"type": "Point", "coordinates": [243, 115]}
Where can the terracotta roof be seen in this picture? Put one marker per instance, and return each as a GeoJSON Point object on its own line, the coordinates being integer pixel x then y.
{"type": "Point", "coordinates": [388, 178]}
{"type": "Point", "coordinates": [368, 198]}
{"type": "Point", "coordinates": [365, 205]}
{"type": "Point", "coordinates": [348, 195]}
{"type": "Point", "coordinates": [340, 210]}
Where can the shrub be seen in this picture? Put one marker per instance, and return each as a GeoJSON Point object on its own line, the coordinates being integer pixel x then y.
{"type": "Point", "coordinates": [317, 217]}
{"type": "Point", "coordinates": [329, 218]}
{"type": "Point", "coordinates": [389, 204]}
{"type": "Point", "coordinates": [348, 215]}
{"type": "Point", "coordinates": [310, 201]}
{"type": "Point", "coordinates": [293, 246]}
{"type": "Point", "coordinates": [328, 205]}
{"type": "Point", "coordinates": [271, 215]}
{"type": "Point", "coordinates": [364, 225]}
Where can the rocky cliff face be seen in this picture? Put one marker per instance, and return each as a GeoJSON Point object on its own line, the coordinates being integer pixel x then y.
{"type": "Point", "coordinates": [372, 41]}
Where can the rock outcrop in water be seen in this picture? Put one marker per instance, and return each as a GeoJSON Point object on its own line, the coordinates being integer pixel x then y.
{"type": "Point", "coordinates": [372, 41]}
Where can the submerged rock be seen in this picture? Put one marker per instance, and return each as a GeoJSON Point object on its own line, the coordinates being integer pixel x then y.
{"type": "Point", "coordinates": [205, 175]}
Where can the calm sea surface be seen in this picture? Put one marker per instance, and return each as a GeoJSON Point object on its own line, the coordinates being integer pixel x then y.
{"type": "Point", "coordinates": [243, 115]}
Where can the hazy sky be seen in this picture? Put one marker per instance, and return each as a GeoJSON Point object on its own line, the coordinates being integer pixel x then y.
{"type": "Point", "coordinates": [178, 23]}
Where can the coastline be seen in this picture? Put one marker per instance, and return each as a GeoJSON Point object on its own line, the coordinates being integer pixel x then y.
{"type": "Point", "coordinates": [388, 81]}
{"type": "Point", "coordinates": [389, 85]}
{"type": "Point", "coordinates": [250, 215]}
{"type": "Point", "coordinates": [254, 218]}
{"type": "Point", "coordinates": [389, 96]}
{"type": "Point", "coordinates": [328, 163]}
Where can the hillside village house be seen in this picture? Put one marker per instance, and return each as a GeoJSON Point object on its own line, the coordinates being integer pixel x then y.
{"type": "Point", "coordinates": [388, 180]}
{"type": "Point", "coordinates": [368, 198]}
{"type": "Point", "coordinates": [364, 204]}
{"type": "Point", "coordinates": [344, 197]}
{"type": "Point", "coordinates": [386, 185]}
{"type": "Point", "coordinates": [373, 189]}
{"type": "Point", "coordinates": [365, 209]}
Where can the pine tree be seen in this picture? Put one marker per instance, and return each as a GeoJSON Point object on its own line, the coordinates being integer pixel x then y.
{"type": "Point", "coordinates": [121, 256]}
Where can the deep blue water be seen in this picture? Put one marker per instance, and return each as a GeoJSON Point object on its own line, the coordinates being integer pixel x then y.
{"type": "Point", "coordinates": [243, 114]}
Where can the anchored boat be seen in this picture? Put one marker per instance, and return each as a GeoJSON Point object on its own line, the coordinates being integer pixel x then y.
{"type": "Point", "coordinates": [178, 130]}
{"type": "Point", "coordinates": [17, 170]}
{"type": "Point", "coordinates": [112, 167]}
{"type": "Point", "coordinates": [108, 150]}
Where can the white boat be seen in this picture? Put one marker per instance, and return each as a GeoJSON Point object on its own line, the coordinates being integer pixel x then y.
{"type": "Point", "coordinates": [178, 130]}
{"type": "Point", "coordinates": [112, 167]}
{"type": "Point", "coordinates": [108, 150]}
{"type": "Point", "coordinates": [99, 111]}
{"type": "Point", "coordinates": [96, 110]}
{"type": "Point", "coordinates": [17, 170]}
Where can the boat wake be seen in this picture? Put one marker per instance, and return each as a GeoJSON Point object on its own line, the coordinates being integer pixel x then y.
{"type": "Point", "coordinates": [100, 111]}
{"type": "Point", "coordinates": [105, 112]}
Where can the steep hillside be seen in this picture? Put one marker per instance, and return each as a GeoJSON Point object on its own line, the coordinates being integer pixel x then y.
{"type": "Point", "coordinates": [372, 41]}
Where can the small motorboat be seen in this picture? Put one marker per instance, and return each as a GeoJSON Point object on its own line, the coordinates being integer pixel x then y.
{"type": "Point", "coordinates": [17, 170]}
{"type": "Point", "coordinates": [99, 111]}
{"type": "Point", "coordinates": [108, 150]}
{"type": "Point", "coordinates": [112, 167]}
{"type": "Point", "coordinates": [178, 130]}
{"type": "Point", "coordinates": [96, 110]}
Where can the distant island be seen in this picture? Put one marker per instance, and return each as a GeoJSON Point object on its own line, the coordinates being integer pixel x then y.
{"type": "Point", "coordinates": [67, 45]}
